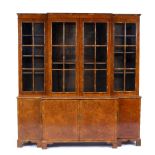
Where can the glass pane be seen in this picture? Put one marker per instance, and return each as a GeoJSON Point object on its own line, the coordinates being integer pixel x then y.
{"type": "Point", "coordinates": [119, 50]}
{"type": "Point", "coordinates": [89, 54]}
{"type": "Point", "coordinates": [89, 33]}
{"type": "Point", "coordinates": [88, 80]}
{"type": "Point", "coordinates": [39, 40]}
{"type": "Point", "coordinates": [70, 32]}
{"type": "Point", "coordinates": [101, 33]}
{"type": "Point", "coordinates": [70, 54]}
{"type": "Point", "coordinates": [38, 28]}
{"type": "Point", "coordinates": [119, 40]}
{"type": "Point", "coordinates": [130, 49]}
{"type": "Point", "coordinates": [130, 60]}
{"type": "Point", "coordinates": [57, 81]}
{"type": "Point", "coordinates": [27, 40]}
{"type": "Point", "coordinates": [38, 62]}
{"type": "Point", "coordinates": [101, 54]}
{"type": "Point", "coordinates": [27, 62]}
{"type": "Point", "coordinates": [69, 66]}
{"type": "Point", "coordinates": [27, 28]}
{"type": "Point", "coordinates": [89, 66]}
{"type": "Point", "coordinates": [119, 60]}
{"type": "Point", "coordinates": [130, 81]}
{"type": "Point", "coordinates": [101, 66]}
{"type": "Point", "coordinates": [131, 29]}
{"type": "Point", "coordinates": [38, 81]}
{"type": "Point", "coordinates": [131, 40]}
{"type": "Point", "coordinates": [119, 81]}
{"type": "Point", "coordinates": [57, 33]}
{"type": "Point", "coordinates": [69, 80]}
{"type": "Point", "coordinates": [57, 54]}
{"type": "Point", "coordinates": [101, 79]}
{"type": "Point", "coordinates": [27, 81]}
{"type": "Point", "coordinates": [57, 66]}
{"type": "Point", "coordinates": [27, 50]}
{"type": "Point", "coordinates": [38, 50]}
{"type": "Point", "coordinates": [119, 29]}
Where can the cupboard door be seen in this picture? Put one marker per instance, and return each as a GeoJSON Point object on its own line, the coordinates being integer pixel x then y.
{"type": "Point", "coordinates": [98, 120]}
{"type": "Point", "coordinates": [129, 118]}
{"type": "Point", "coordinates": [59, 120]}
{"type": "Point", "coordinates": [29, 119]}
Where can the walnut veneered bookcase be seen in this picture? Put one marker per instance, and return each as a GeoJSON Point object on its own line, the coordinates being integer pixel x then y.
{"type": "Point", "coordinates": [78, 78]}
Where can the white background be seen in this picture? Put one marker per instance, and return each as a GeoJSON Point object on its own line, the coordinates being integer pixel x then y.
{"type": "Point", "coordinates": [9, 72]}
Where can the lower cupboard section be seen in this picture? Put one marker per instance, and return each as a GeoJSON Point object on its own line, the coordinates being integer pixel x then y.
{"type": "Point", "coordinates": [60, 120]}
{"type": "Point", "coordinates": [29, 121]}
{"type": "Point", "coordinates": [46, 120]}
{"type": "Point", "coordinates": [129, 118]}
{"type": "Point", "coordinates": [98, 120]}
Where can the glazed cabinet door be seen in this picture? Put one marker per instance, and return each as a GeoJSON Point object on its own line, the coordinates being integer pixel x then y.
{"type": "Point", "coordinates": [98, 120]}
{"type": "Point", "coordinates": [32, 55]}
{"type": "Point", "coordinates": [59, 120]}
{"type": "Point", "coordinates": [94, 57]}
{"type": "Point", "coordinates": [64, 57]}
{"type": "Point", "coordinates": [126, 42]}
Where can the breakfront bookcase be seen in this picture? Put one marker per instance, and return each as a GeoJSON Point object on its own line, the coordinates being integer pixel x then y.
{"type": "Point", "coordinates": [78, 78]}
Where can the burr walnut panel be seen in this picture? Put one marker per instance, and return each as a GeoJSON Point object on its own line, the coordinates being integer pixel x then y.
{"type": "Point", "coordinates": [29, 119]}
{"type": "Point", "coordinates": [129, 118]}
{"type": "Point", "coordinates": [98, 119]}
{"type": "Point", "coordinates": [59, 119]}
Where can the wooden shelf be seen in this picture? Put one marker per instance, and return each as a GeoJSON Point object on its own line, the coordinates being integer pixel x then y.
{"type": "Point", "coordinates": [94, 69]}
{"type": "Point", "coordinates": [63, 45]}
{"type": "Point", "coordinates": [38, 55]}
{"type": "Point", "coordinates": [125, 68]}
{"type": "Point", "coordinates": [32, 68]}
{"type": "Point", "coordinates": [124, 35]}
{"type": "Point", "coordinates": [35, 45]}
{"type": "Point", "coordinates": [95, 45]}
{"type": "Point", "coordinates": [92, 63]}
{"type": "Point", "coordinates": [125, 45]}
{"type": "Point", "coordinates": [55, 63]}
{"type": "Point", "coordinates": [27, 55]}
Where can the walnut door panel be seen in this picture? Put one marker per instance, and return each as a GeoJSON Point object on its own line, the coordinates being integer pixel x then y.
{"type": "Point", "coordinates": [29, 119]}
{"type": "Point", "coordinates": [98, 120]}
{"type": "Point", "coordinates": [129, 118]}
{"type": "Point", "coordinates": [59, 120]}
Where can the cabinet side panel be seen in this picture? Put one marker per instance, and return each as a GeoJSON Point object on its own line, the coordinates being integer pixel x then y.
{"type": "Point", "coordinates": [59, 120]}
{"type": "Point", "coordinates": [129, 118]}
{"type": "Point", "coordinates": [29, 119]}
{"type": "Point", "coordinates": [98, 120]}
